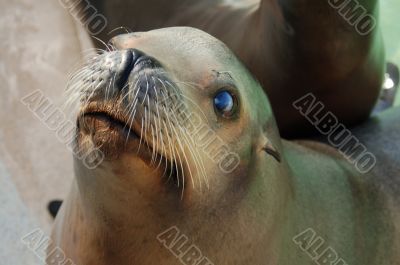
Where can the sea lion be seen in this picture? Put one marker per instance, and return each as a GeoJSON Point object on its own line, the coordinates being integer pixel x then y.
{"type": "Point", "coordinates": [331, 48]}
{"type": "Point", "coordinates": [162, 195]}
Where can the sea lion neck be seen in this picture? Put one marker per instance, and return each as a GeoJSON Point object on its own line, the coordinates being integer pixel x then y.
{"type": "Point", "coordinates": [330, 198]}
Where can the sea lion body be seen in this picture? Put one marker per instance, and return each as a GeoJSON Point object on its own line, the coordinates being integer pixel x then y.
{"type": "Point", "coordinates": [291, 47]}
{"type": "Point", "coordinates": [128, 211]}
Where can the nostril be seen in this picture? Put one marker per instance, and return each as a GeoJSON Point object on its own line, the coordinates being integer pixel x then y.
{"type": "Point", "coordinates": [136, 55]}
{"type": "Point", "coordinates": [129, 58]}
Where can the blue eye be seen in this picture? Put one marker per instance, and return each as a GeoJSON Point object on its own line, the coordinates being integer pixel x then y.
{"type": "Point", "coordinates": [224, 103]}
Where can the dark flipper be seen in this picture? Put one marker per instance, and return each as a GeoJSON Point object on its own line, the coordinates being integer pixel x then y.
{"type": "Point", "coordinates": [53, 207]}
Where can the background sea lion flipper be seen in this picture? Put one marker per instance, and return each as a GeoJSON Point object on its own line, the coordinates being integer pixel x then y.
{"type": "Point", "coordinates": [341, 63]}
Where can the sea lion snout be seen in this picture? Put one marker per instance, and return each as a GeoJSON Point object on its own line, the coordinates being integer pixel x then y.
{"type": "Point", "coordinates": [119, 64]}
{"type": "Point", "coordinates": [122, 76]}
{"type": "Point", "coordinates": [129, 104]}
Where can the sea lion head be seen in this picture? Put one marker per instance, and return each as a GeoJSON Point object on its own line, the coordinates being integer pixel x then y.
{"type": "Point", "coordinates": [185, 130]}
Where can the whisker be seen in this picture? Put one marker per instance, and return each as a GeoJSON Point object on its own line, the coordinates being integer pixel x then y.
{"type": "Point", "coordinates": [102, 42]}
{"type": "Point", "coordinates": [117, 28]}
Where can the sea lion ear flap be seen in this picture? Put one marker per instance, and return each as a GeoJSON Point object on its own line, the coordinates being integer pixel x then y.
{"type": "Point", "coordinates": [269, 140]}
{"type": "Point", "coordinates": [271, 150]}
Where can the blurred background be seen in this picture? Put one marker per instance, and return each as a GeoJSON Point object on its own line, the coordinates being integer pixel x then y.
{"type": "Point", "coordinates": [40, 43]}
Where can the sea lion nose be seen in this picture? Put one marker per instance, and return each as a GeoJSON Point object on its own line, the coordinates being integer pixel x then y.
{"type": "Point", "coordinates": [128, 59]}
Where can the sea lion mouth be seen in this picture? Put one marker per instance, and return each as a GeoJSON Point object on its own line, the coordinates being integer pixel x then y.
{"type": "Point", "coordinates": [99, 111]}
{"type": "Point", "coordinates": [112, 131]}
{"type": "Point", "coordinates": [93, 118]}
